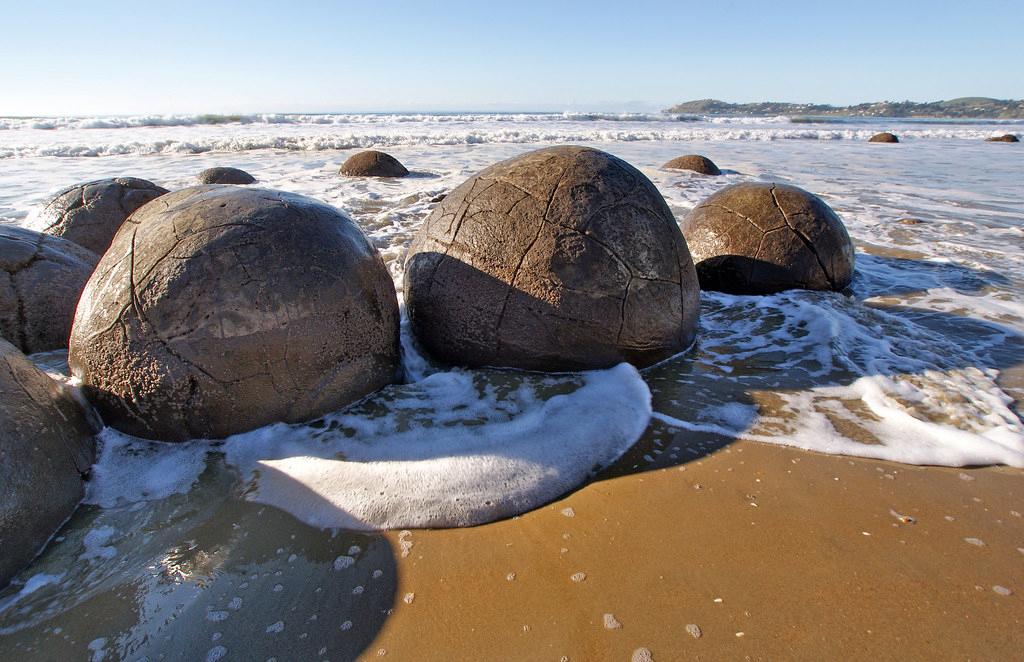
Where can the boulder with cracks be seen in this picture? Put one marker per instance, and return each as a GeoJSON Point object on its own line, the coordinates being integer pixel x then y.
{"type": "Point", "coordinates": [219, 309]}
{"type": "Point", "coordinates": [371, 163]}
{"type": "Point", "coordinates": [563, 258]}
{"type": "Point", "coordinates": [756, 238]}
{"type": "Point", "coordinates": [694, 162]}
{"type": "Point", "coordinates": [45, 449]}
{"type": "Point", "coordinates": [41, 279]}
{"type": "Point", "coordinates": [224, 175]}
{"type": "Point", "coordinates": [90, 214]}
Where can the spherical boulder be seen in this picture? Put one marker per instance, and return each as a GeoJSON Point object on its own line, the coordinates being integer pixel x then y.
{"type": "Point", "coordinates": [884, 137]}
{"type": "Point", "coordinates": [45, 449]}
{"type": "Point", "coordinates": [1005, 138]}
{"type": "Point", "coordinates": [371, 163]}
{"type": "Point", "coordinates": [222, 175]}
{"type": "Point", "coordinates": [563, 258]}
{"type": "Point", "coordinates": [227, 308]}
{"type": "Point", "coordinates": [90, 214]}
{"type": "Point", "coordinates": [756, 238]}
{"type": "Point", "coordinates": [41, 278]}
{"type": "Point", "coordinates": [695, 162]}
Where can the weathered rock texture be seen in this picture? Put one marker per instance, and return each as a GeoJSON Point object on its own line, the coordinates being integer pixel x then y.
{"type": "Point", "coordinates": [694, 162]}
{"type": "Point", "coordinates": [884, 137]}
{"type": "Point", "coordinates": [90, 214]}
{"type": "Point", "coordinates": [221, 175]}
{"type": "Point", "coordinates": [46, 445]}
{"type": "Point", "coordinates": [219, 309]}
{"type": "Point", "coordinates": [41, 278]}
{"type": "Point", "coordinates": [563, 258]}
{"type": "Point", "coordinates": [758, 238]}
{"type": "Point", "coordinates": [372, 163]}
{"type": "Point", "coordinates": [1005, 138]}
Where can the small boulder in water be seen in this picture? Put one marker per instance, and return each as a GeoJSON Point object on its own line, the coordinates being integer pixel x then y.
{"type": "Point", "coordinates": [884, 137]}
{"type": "Point", "coordinates": [371, 163]}
{"type": "Point", "coordinates": [45, 448]}
{"type": "Point", "coordinates": [222, 175]}
{"type": "Point", "coordinates": [228, 308]}
{"type": "Point", "coordinates": [90, 214]}
{"type": "Point", "coordinates": [1005, 138]}
{"type": "Point", "coordinates": [695, 162]}
{"type": "Point", "coordinates": [41, 279]}
{"type": "Point", "coordinates": [756, 238]}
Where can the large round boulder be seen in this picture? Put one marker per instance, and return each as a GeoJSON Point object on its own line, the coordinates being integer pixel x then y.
{"type": "Point", "coordinates": [90, 214]}
{"type": "Point", "coordinates": [223, 309]}
{"type": "Point", "coordinates": [223, 175]}
{"type": "Point", "coordinates": [46, 446]}
{"type": "Point", "coordinates": [1005, 138]}
{"type": "Point", "coordinates": [757, 238]}
{"type": "Point", "coordinates": [564, 258]}
{"type": "Point", "coordinates": [884, 137]}
{"type": "Point", "coordinates": [371, 163]}
{"type": "Point", "coordinates": [695, 162]}
{"type": "Point", "coordinates": [41, 278]}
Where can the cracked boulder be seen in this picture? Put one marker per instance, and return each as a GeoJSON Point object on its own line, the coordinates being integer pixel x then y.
{"type": "Point", "coordinates": [371, 163]}
{"type": "Point", "coordinates": [219, 309]}
{"type": "Point", "coordinates": [222, 175]}
{"type": "Point", "coordinates": [45, 449]}
{"type": "Point", "coordinates": [90, 214]}
{"type": "Point", "coordinates": [41, 279]}
{"type": "Point", "coordinates": [695, 162]}
{"type": "Point", "coordinates": [565, 258]}
{"type": "Point", "coordinates": [756, 238]}
{"type": "Point", "coordinates": [884, 137]}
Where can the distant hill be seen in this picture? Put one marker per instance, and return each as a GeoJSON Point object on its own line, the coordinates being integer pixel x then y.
{"type": "Point", "coordinates": [964, 107]}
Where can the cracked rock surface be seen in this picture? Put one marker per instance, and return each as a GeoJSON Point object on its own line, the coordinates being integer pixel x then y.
{"type": "Point", "coordinates": [90, 214]}
{"type": "Point", "coordinates": [41, 278]}
{"type": "Point", "coordinates": [371, 163]}
{"type": "Point", "coordinates": [694, 162]}
{"type": "Point", "coordinates": [222, 175]}
{"type": "Point", "coordinates": [46, 445]}
{"type": "Point", "coordinates": [564, 258]}
{"type": "Point", "coordinates": [756, 238]}
{"type": "Point", "coordinates": [219, 309]}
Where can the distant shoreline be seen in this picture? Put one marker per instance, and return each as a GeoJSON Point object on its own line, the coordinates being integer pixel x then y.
{"type": "Point", "coordinates": [960, 108]}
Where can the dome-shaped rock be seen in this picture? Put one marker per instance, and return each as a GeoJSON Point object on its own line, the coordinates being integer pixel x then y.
{"type": "Point", "coordinates": [694, 162]}
{"type": "Point", "coordinates": [884, 137]}
{"type": "Point", "coordinates": [563, 258]}
{"type": "Point", "coordinates": [756, 238]}
{"type": "Point", "coordinates": [227, 308]}
{"type": "Point", "coordinates": [222, 175]}
{"type": "Point", "coordinates": [90, 214]}
{"type": "Point", "coordinates": [1005, 138]}
{"type": "Point", "coordinates": [46, 446]}
{"type": "Point", "coordinates": [41, 278]}
{"type": "Point", "coordinates": [371, 163]}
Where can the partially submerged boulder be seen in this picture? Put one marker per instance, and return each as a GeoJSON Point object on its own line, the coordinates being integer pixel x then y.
{"type": "Point", "coordinates": [758, 238]}
{"type": "Point", "coordinates": [41, 279]}
{"type": "Point", "coordinates": [223, 175]}
{"type": "Point", "coordinates": [371, 163]}
{"type": "Point", "coordinates": [90, 214]}
{"type": "Point", "coordinates": [1005, 138]}
{"type": "Point", "coordinates": [563, 258]}
{"type": "Point", "coordinates": [229, 308]}
{"type": "Point", "coordinates": [46, 446]}
{"type": "Point", "coordinates": [695, 162]}
{"type": "Point", "coordinates": [884, 137]}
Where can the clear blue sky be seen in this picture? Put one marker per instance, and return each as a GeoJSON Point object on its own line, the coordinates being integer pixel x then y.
{"type": "Point", "coordinates": [90, 57]}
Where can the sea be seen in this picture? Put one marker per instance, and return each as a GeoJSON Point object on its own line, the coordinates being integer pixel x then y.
{"type": "Point", "coordinates": [920, 361]}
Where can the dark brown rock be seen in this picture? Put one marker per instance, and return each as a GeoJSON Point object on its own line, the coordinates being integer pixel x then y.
{"type": "Point", "coordinates": [41, 278]}
{"type": "Point", "coordinates": [564, 258]}
{"type": "Point", "coordinates": [758, 238]}
{"type": "Point", "coordinates": [371, 163]}
{"type": "Point", "coordinates": [220, 309]}
{"type": "Point", "coordinates": [90, 214]}
{"type": "Point", "coordinates": [694, 162]}
{"type": "Point", "coordinates": [884, 137]}
{"type": "Point", "coordinates": [46, 445]}
{"type": "Point", "coordinates": [1005, 138]}
{"type": "Point", "coordinates": [221, 175]}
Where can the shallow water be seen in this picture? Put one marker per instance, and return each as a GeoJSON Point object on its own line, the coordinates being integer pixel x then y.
{"type": "Point", "coordinates": [919, 362]}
